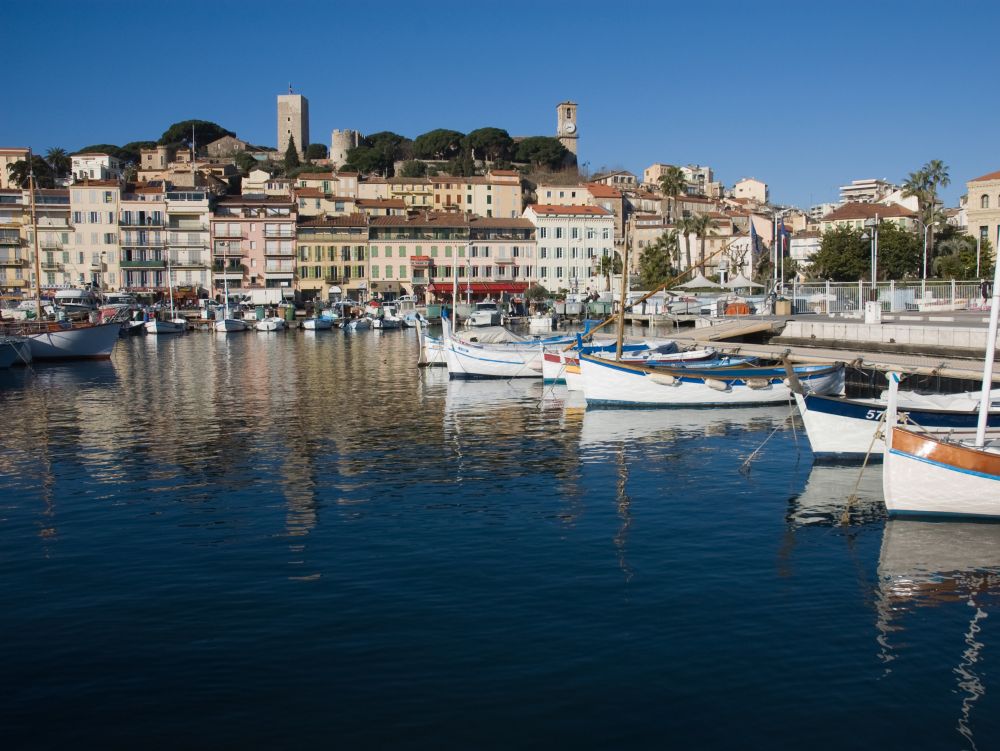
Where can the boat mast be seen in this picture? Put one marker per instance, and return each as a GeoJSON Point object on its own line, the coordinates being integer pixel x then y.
{"type": "Point", "coordinates": [34, 235]}
{"type": "Point", "coordinates": [621, 307]}
{"type": "Point", "coordinates": [166, 249]}
{"type": "Point", "coordinates": [991, 346]}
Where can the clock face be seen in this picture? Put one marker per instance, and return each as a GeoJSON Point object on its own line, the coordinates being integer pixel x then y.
{"type": "Point", "coordinates": [569, 128]}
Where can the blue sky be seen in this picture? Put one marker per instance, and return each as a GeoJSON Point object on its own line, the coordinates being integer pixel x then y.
{"type": "Point", "coordinates": [805, 96]}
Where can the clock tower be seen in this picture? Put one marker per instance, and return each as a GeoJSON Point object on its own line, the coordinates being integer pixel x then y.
{"type": "Point", "coordinates": [566, 125]}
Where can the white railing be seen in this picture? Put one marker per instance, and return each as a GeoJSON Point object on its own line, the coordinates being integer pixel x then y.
{"type": "Point", "coordinates": [895, 297]}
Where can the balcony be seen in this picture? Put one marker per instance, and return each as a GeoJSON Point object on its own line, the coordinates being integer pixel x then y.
{"type": "Point", "coordinates": [10, 238]}
{"type": "Point", "coordinates": [288, 234]}
{"type": "Point", "coordinates": [51, 266]}
{"type": "Point", "coordinates": [139, 244]}
{"type": "Point", "coordinates": [229, 235]}
{"type": "Point", "coordinates": [13, 282]}
{"type": "Point", "coordinates": [186, 225]}
{"type": "Point", "coordinates": [143, 264]}
{"type": "Point", "coordinates": [153, 223]}
{"type": "Point", "coordinates": [233, 267]}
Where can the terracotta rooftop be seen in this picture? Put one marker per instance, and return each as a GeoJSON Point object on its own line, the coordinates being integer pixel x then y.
{"type": "Point", "coordinates": [236, 200]}
{"type": "Point", "coordinates": [316, 176]}
{"type": "Point", "coordinates": [309, 192]}
{"type": "Point", "coordinates": [13, 150]}
{"type": "Point", "coordinates": [984, 178]}
{"type": "Point", "coordinates": [543, 209]}
{"type": "Point", "coordinates": [350, 220]}
{"type": "Point", "coordinates": [97, 184]}
{"type": "Point", "coordinates": [867, 211]}
{"type": "Point", "coordinates": [505, 172]}
{"type": "Point", "coordinates": [597, 190]}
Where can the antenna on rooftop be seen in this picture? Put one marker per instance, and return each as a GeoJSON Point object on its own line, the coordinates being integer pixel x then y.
{"type": "Point", "coordinates": [289, 87]}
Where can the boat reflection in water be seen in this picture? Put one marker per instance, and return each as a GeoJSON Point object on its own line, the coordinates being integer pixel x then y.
{"type": "Point", "coordinates": [926, 564]}
{"type": "Point", "coordinates": [615, 425]}
{"type": "Point", "coordinates": [825, 496]}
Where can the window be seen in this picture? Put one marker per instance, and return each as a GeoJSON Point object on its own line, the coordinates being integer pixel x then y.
{"type": "Point", "coordinates": [543, 272]}
{"type": "Point", "coordinates": [573, 253]}
{"type": "Point", "coordinates": [402, 251]}
{"type": "Point", "coordinates": [575, 233]}
{"type": "Point", "coordinates": [559, 272]}
{"type": "Point", "coordinates": [542, 233]}
{"type": "Point", "coordinates": [434, 251]}
{"type": "Point", "coordinates": [984, 235]}
{"type": "Point", "coordinates": [489, 200]}
{"type": "Point", "coordinates": [559, 254]}
{"type": "Point", "coordinates": [559, 233]}
{"type": "Point", "coordinates": [548, 194]}
{"type": "Point", "coordinates": [543, 252]}
{"type": "Point", "coordinates": [606, 234]}
{"type": "Point", "coordinates": [475, 271]}
{"type": "Point", "coordinates": [468, 199]}
{"type": "Point", "coordinates": [388, 272]}
{"type": "Point", "coordinates": [447, 251]}
{"type": "Point", "coordinates": [375, 272]}
{"type": "Point", "coordinates": [402, 271]}
{"type": "Point", "coordinates": [984, 202]}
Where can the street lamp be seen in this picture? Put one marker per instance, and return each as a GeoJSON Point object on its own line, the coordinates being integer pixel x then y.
{"type": "Point", "coordinates": [872, 226]}
{"type": "Point", "coordinates": [927, 228]}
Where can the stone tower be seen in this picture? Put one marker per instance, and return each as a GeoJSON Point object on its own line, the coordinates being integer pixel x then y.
{"type": "Point", "coordinates": [293, 122]}
{"type": "Point", "coordinates": [567, 130]}
{"type": "Point", "coordinates": [342, 141]}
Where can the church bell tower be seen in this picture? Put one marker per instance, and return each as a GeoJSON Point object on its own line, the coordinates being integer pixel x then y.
{"type": "Point", "coordinates": [566, 126]}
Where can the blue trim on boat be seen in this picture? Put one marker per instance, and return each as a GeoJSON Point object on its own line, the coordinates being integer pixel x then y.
{"type": "Point", "coordinates": [942, 515]}
{"type": "Point", "coordinates": [928, 418]}
{"type": "Point", "coordinates": [949, 467]}
{"type": "Point", "coordinates": [612, 404]}
{"type": "Point", "coordinates": [844, 457]}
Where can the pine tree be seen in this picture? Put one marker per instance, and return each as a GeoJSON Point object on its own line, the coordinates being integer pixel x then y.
{"type": "Point", "coordinates": [291, 155]}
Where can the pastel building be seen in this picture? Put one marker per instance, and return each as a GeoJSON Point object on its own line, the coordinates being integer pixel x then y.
{"type": "Point", "coordinates": [496, 194]}
{"type": "Point", "coordinates": [96, 254]}
{"type": "Point", "coordinates": [982, 209]}
{"type": "Point", "coordinates": [253, 243]}
{"type": "Point", "coordinates": [15, 256]}
{"type": "Point", "coordinates": [142, 216]}
{"type": "Point", "coordinates": [571, 241]}
{"type": "Point", "coordinates": [333, 257]}
{"type": "Point", "coordinates": [9, 156]}
{"type": "Point", "coordinates": [189, 215]}
{"type": "Point", "coordinates": [95, 166]}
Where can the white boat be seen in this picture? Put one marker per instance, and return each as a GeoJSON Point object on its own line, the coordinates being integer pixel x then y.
{"type": "Point", "coordinates": [157, 326]}
{"type": "Point", "coordinates": [76, 302]}
{"type": "Point", "coordinates": [228, 325]}
{"type": "Point", "coordinates": [62, 340]}
{"type": "Point", "coordinates": [494, 353]}
{"type": "Point", "coordinates": [431, 348]}
{"type": "Point", "coordinates": [317, 324]}
{"type": "Point", "coordinates": [271, 323]}
{"type": "Point", "coordinates": [557, 362]}
{"type": "Point", "coordinates": [625, 384]}
{"type": "Point", "coordinates": [357, 324]}
{"type": "Point", "coordinates": [485, 314]}
{"type": "Point", "coordinates": [945, 473]}
{"type": "Point", "coordinates": [841, 429]}
{"type": "Point", "coordinates": [387, 318]}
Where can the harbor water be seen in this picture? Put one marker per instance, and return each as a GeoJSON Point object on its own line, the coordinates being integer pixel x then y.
{"type": "Point", "coordinates": [301, 540]}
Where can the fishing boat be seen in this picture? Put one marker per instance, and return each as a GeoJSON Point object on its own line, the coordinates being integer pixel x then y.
{"type": "Point", "coordinates": [11, 349]}
{"type": "Point", "coordinates": [317, 324]}
{"type": "Point", "coordinates": [60, 340]}
{"type": "Point", "coordinates": [364, 323]}
{"type": "Point", "coordinates": [945, 472]}
{"type": "Point", "coordinates": [76, 303]}
{"type": "Point", "coordinates": [271, 323]}
{"type": "Point", "coordinates": [175, 324]}
{"type": "Point", "coordinates": [485, 314]}
{"type": "Point", "coordinates": [616, 382]}
{"type": "Point", "coordinates": [387, 318]}
{"type": "Point", "coordinates": [847, 430]}
{"type": "Point", "coordinates": [430, 348]}
{"type": "Point", "coordinates": [227, 324]}
{"type": "Point", "coordinates": [494, 353]}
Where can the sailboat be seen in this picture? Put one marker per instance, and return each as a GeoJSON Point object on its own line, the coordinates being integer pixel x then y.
{"type": "Point", "coordinates": [60, 340]}
{"type": "Point", "coordinates": [176, 324]}
{"type": "Point", "coordinates": [227, 323]}
{"type": "Point", "coordinates": [945, 473]}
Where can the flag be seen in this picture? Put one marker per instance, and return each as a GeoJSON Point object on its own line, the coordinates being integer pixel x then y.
{"type": "Point", "coordinates": [754, 240]}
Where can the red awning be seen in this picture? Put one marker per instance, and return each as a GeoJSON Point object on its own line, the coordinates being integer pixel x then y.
{"type": "Point", "coordinates": [480, 288]}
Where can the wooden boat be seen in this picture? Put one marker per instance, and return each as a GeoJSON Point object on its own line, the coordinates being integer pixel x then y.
{"type": "Point", "coordinates": [158, 326]}
{"type": "Point", "coordinates": [227, 325]}
{"type": "Point", "coordinates": [934, 472]}
{"type": "Point", "coordinates": [842, 429]}
{"type": "Point", "coordinates": [626, 384]}
{"type": "Point", "coordinates": [271, 323]}
{"type": "Point", "coordinates": [62, 340]}
{"type": "Point", "coordinates": [317, 324]}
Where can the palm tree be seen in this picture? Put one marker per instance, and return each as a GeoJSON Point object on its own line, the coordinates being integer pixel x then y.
{"type": "Point", "coordinates": [672, 184]}
{"type": "Point", "coordinates": [58, 160]}
{"type": "Point", "coordinates": [923, 184]}
{"type": "Point", "coordinates": [17, 173]}
{"type": "Point", "coordinates": [702, 227]}
{"type": "Point", "coordinates": [605, 267]}
{"type": "Point", "coordinates": [685, 226]}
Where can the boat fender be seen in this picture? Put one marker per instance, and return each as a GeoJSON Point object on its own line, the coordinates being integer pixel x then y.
{"type": "Point", "coordinates": [664, 379]}
{"type": "Point", "coordinates": [758, 383]}
{"type": "Point", "coordinates": [715, 383]}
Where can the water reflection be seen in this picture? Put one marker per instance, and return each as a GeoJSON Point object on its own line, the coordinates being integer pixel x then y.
{"type": "Point", "coordinates": [827, 490]}
{"type": "Point", "coordinates": [925, 564]}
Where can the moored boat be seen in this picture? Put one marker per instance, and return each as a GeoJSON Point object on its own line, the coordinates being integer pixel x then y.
{"type": "Point", "coordinates": [62, 340]}
{"type": "Point", "coordinates": [228, 325]}
{"type": "Point", "coordinates": [317, 324]}
{"type": "Point", "coordinates": [271, 323]}
{"type": "Point", "coordinates": [626, 384]}
{"type": "Point", "coordinates": [842, 429]}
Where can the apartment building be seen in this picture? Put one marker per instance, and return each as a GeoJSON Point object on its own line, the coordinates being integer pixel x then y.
{"type": "Point", "coordinates": [571, 241]}
{"type": "Point", "coordinates": [16, 273]}
{"type": "Point", "coordinates": [96, 256]}
{"type": "Point", "coordinates": [857, 214]}
{"type": "Point", "coordinates": [189, 215]}
{"type": "Point", "coordinates": [142, 214]}
{"type": "Point", "coordinates": [496, 194]}
{"type": "Point", "coordinates": [253, 243]}
{"type": "Point", "coordinates": [95, 166]}
{"type": "Point", "coordinates": [982, 209]}
{"type": "Point", "coordinates": [8, 157]}
{"type": "Point", "coordinates": [333, 257]}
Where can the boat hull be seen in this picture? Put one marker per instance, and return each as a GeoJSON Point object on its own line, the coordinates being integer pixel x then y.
{"type": "Point", "coordinates": [926, 476]}
{"type": "Point", "coordinates": [270, 324]}
{"type": "Point", "coordinates": [622, 384]}
{"type": "Point", "coordinates": [230, 325]}
{"type": "Point", "coordinates": [477, 361]}
{"type": "Point", "coordinates": [164, 327]}
{"type": "Point", "coordinates": [841, 430]}
{"type": "Point", "coordinates": [8, 353]}
{"type": "Point", "coordinates": [81, 342]}
{"type": "Point", "coordinates": [317, 324]}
